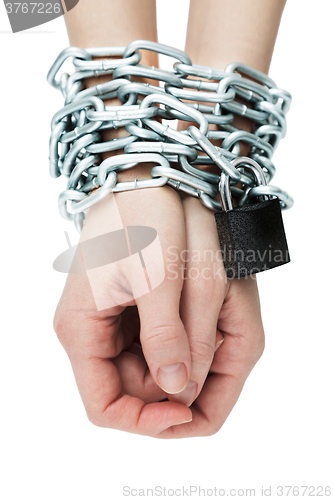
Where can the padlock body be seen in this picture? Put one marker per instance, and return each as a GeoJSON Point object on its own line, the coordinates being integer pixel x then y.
{"type": "Point", "coordinates": [252, 238]}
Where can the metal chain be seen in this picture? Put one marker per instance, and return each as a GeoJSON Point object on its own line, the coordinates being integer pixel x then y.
{"type": "Point", "coordinates": [146, 114]}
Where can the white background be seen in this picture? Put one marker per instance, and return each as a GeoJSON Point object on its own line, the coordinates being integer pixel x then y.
{"type": "Point", "coordinates": [280, 431]}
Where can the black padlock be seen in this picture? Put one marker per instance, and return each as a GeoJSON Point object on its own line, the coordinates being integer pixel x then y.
{"type": "Point", "coordinates": [252, 236]}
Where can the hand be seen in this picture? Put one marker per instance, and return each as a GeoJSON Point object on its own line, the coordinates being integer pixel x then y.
{"type": "Point", "coordinates": [213, 309]}
{"type": "Point", "coordinates": [123, 393]}
{"type": "Point", "coordinates": [109, 363]}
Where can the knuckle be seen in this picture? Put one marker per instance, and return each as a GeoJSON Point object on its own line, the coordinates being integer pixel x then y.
{"type": "Point", "coordinates": [157, 336]}
{"type": "Point", "coordinates": [257, 348]}
{"type": "Point", "coordinates": [251, 341]}
{"type": "Point", "coordinates": [214, 428]}
{"type": "Point", "coordinates": [98, 340]}
{"type": "Point", "coordinates": [207, 285]}
{"type": "Point", "coordinates": [95, 420]}
{"type": "Point", "coordinates": [211, 428]}
{"type": "Point", "coordinates": [260, 346]}
{"type": "Point", "coordinates": [202, 351]}
{"type": "Point", "coordinates": [211, 431]}
{"type": "Point", "coordinates": [60, 327]}
{"type": "Point", "coordinates": [258, 343]}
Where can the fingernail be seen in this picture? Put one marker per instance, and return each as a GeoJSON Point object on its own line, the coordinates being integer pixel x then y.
{"type": "Point", "coordinates": [185, 422]}
{"type": "Point", "coordinates": [186, 397]}
{"type": "Point", "coordinates": [172, 378]}
{"type": "Point", "coordinates": [218, 344]}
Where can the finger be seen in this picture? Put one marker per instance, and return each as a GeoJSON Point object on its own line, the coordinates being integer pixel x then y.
{"type": "Point", "coordinates": [100, 387]}
{"type": "Point", "coordinates": [136, 378]}
{"type": "Point", "coordinates": [163, 337]}
{"type": "Point", "coordinates": [91, 339]}
{"type": "Point", "coordinates": [202, 296]}
{"type": "Point", "coordinates": [240, 322]}
{"type": "Point", "coordinates": [210, 410]}
{"type": "Point", "coordinates": [241, 325]}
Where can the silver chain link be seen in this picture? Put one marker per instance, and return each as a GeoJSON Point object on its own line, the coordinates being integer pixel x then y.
{"type": "Point", "coordinates": [146, 114]}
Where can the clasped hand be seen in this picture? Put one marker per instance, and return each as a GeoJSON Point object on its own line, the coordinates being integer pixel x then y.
{"type": "Point", "coordinates": [171, 362]}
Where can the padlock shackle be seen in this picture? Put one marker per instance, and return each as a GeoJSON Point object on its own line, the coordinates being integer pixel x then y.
{"type": "Point", "coordinates": [224, 184]}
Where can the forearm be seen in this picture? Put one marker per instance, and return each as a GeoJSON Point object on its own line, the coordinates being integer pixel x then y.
{"type": "Point", "coordinates": [103, 23]}
{"type": "Point", "coordinates": [224, 31]}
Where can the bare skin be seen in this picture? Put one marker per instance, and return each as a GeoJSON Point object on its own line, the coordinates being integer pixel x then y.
{"type": "Point", "coordinates": [117, 352]}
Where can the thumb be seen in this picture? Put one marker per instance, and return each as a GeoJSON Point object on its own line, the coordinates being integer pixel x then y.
{"type": "Point", "coordinates": [163, 337]}
{"type": "Point", "coordinates": [156, 283]}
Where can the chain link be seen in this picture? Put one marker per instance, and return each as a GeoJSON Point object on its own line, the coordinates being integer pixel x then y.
{"type": "Point", "coordinates": [147, 113]}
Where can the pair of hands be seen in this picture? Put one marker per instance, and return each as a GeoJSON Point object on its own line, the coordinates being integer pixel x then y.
{"type": "Point", "coordinates": [170, 363]}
